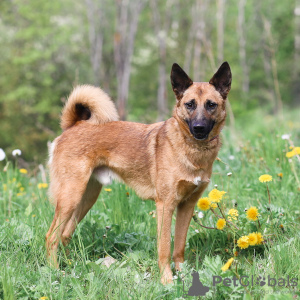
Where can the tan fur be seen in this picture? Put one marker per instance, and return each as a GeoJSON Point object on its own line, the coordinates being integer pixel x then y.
{"type": "Point", "coordinates": [161, 161]}
{"type": "Point", "coordinates": [102, 108]}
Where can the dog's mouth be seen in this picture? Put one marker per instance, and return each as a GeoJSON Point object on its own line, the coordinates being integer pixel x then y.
{"type": "Point", "coordinates": [200, 137]}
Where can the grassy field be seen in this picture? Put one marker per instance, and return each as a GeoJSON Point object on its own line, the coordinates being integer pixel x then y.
{"type": "Point", "coordinates": [123, 227]}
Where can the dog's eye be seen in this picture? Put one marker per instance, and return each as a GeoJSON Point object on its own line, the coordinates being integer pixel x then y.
{"type": "Point", "coordinates": [211, 105]}
{"type": "Point", "coordinates": [191, 104]}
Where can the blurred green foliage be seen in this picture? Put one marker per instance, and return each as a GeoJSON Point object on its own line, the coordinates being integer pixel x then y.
{"type": "Point", "coordinates": [45, 50]}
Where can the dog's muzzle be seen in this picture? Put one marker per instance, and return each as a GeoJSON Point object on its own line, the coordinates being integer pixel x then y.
{"type": "Point", "coordinates": [201, 129]}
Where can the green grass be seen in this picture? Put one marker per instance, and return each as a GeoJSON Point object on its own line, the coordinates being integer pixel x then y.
{"type": "Point", "coordinates": [130, 237]}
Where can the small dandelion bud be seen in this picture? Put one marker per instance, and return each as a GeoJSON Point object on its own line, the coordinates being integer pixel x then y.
{"type": "Point", "coordinates": [245, 209]}
{"type": "Point", "coordinates": [108, 227]}
{"type": "Point", "coordinates": [268, 208]}
{"type": "Point", "coordinates": [235, 204]}
{"type": "Point", "coordinates": [215, 185]}
{"type": "Point", "coordinates": [229, 174]}
{"type": "Point", "coordinates": [104, 236]}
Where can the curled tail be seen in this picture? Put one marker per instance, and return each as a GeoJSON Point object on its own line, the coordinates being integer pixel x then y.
{"type": "Point", "coordinates": [88, 103]}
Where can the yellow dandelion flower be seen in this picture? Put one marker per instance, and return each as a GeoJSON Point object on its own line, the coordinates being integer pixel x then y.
{"type": "Point", "coordinates": [243, 242]}
{"type": "Point", "coordinates": [20, 194]}
{"type": "Point", "coordinates": [107, 190]}
{"type": "Point", "coordinates": [42, 185]}
{"type": "Point", "coordinates": [23, 171]}
{"type": "Point", "coordinates": [280, 175]}
{"type": "Point", "coordinates": [203, 203]}
{"type": "Point", "coordinates": [228, 264]}
{"type": "Point", "coordinates": [44, 298]}
{"type": "Point", "coordinates": [21, 189]}
{"type": "Point", "coordinates": [216, 195]}
{"type": "Point", "coordinates": [295, 151]}
{"type": "Point", "coordinates": [252, 239]}
{"type": "Point", "coordinates": [233, 212]}
{"type": "Point", "coordinates": [259, 238]}
{"type": "Point", "coordinates": [252, 213]}
{"type": "Point", "coordinates": [213, 205]}
{"type": "Point", "coordinates": [221, 224]}
{"type": "Point", "coordinates": [265, 178]}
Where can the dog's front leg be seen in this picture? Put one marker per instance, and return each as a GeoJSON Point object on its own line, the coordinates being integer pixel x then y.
{"type": "Point", "coordinates": [164, 222]}
{"type": "Point", "coordinates": [184, 215]}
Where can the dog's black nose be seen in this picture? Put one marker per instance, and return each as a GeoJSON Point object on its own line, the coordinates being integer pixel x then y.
{"type": "Point", "coordinates": [199, 129]}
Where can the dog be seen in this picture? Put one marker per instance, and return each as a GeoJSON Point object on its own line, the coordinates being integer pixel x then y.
{"type": "Point", "coordinates": [169, 162]}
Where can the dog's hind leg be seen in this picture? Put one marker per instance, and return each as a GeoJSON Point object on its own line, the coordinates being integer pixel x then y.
{"type": "Point", "coordinates": [69, 213]}
{"type": "Point", "coordinates": [88, 200]}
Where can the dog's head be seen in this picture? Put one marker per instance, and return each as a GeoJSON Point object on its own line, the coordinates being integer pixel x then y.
{"type": "Point", "coordinates": [201, 105]}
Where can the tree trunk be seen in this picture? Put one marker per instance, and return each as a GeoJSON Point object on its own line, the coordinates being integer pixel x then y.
{"type": "Point", "coordinates": [161, 26]}
{"type": "Point", "coordinates": [296, 75]}
{"type": "Point", "coordinates": [200, 10]}
{"type": "Point", "coordinates": [95, 18]}
{"type": "Point", "coordinates": [271, 49]}
{"type": "Point", "coordinates": [128, 13]}
{"type": "Point", "coordinates": [242, 47]}
{"type": "Point", "coordinates": [220, 30]}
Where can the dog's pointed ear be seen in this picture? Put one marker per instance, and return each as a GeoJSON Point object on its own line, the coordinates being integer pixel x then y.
{"type": "Point", "coordinates": [222, 80]}
{"type": "Point", "coordinates": [180, 81]}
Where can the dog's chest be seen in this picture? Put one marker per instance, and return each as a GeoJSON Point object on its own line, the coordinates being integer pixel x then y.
{"type": "Point", "coordinates": [190, 184]}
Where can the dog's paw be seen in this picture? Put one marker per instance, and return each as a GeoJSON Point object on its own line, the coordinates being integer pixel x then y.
{"type": "Point", "coordinates": [167, 277]}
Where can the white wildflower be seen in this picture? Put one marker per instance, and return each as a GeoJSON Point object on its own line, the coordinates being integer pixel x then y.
{"type": "Point", "coordinates": [285, 136]}
{"type": "Point", "coordinates": [2, 154]}
{"type": "Point", "coordinates": [200, 215]}
{"type": "Point", "coordinates": [16, 152]}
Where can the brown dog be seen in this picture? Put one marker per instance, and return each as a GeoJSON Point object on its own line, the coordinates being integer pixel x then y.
{"type": "Point", "coordinates": [169, 162]}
